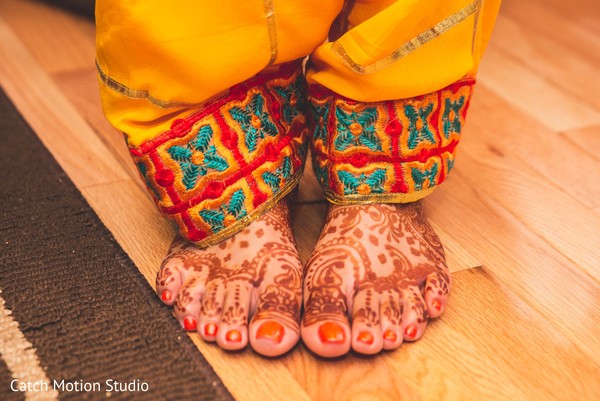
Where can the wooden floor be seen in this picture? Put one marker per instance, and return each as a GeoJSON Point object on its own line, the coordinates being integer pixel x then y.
{"type": "Point", "coordinates": [520, 215]}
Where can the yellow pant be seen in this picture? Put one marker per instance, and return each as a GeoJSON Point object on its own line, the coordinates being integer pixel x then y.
{"type": "Point", "coordinates": [213, 102]}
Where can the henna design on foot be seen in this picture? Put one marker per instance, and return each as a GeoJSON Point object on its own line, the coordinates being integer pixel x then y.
{"type": "Point", "coordinates": [378, 272]}
{"type": "Point", "coordinates": [245, 289]}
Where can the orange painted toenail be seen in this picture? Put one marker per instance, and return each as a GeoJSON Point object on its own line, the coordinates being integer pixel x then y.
{"type": "Point", "coordinates": [365, 337]}
{"type": "Point", "coordinates": [332, 333]}
{"type": "Point", "coordinates": [271, 331]}
{"type": "Point", "coordinates": [189, 323]}
{"type": "Point", "coordinates": [436, 304]}
{"type": "Point", "coordinates": [166, 295]}
{"type": "Point", "coordinates": [210, 330]}
{"type": "Point", "coordinates": [411, 331]}
{"type": "Point", "coordinates": [233, 336]}
{"type": "Point", "coordinates": [390, 335]}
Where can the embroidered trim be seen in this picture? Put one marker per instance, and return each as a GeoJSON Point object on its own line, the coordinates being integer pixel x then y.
{"type": "Point", "coordinates": [219, 169]}
{"type": "Point", "coordinates": [376, 198]}
{"type": "Point", "coordinates": [410, 46]}
{"type": "Point", "coordinates": [386, 152]}
{"type": "Point", "coordinates": [135, 93]}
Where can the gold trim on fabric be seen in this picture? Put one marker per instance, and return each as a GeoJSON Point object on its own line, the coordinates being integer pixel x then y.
{"type": "Point", "coordinates": [475, 25]}
{"type": "Point", "coordinates": [356, 199]}
{"type": "Point", "coordinates": [137, 94]}
{"type": "Point", "coordinates": [255, 214]}
{"type": "Point", "coordinates": [272, 28]}
{"type": "Point", "coordinates": [410, 46]}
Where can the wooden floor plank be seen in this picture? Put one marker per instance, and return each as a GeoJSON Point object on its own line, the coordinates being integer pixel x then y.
{"type": "Point", "coordinates": [496, 338]}
{"type": "Point", "coordinates": [82, 90]}
{"type": "Point", "coordinates": [532, 269]}
{"type": "Point", "coordinates": [586, 139]}
{"type": "Point", "coordinates": [523, 88]}
{"type": "Point", "coordinates": [559, 65]}
{"type": "Point", "coordinates": [543, 206]}
{"type": "Point", "coordinates": [58, 41]}
{"type": "Point", "coordinates": [586, 13]}
{"type": "Point", "coordinates": [517, 138]}
{"type": "Point", "coordinates": [57, 123]}
{"type": "Point", "coordinates": [551, 22]}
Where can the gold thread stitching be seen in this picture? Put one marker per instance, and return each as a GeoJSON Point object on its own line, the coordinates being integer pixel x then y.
{"type": "Point", "coordinates": [355, 199]}
{"type": "Point", "coordinates": [137, 94]}
{"type": "Point", "coordinates": [410, 46]}
{"type": "Point", "coordinates": [272, 28]}
{"type": "Point", "coordinates": [255, 214]}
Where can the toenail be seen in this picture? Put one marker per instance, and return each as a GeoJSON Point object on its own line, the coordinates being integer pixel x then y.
{"type": "Point", "coordinates": [189, 323]}
{"type": "Point", "coordinates": [436, 304]}
{"type": "Point", "coordinates": [390, 335]}
{"type": "Point", "coordinates": [365, 337]}
{"type": "Point", "coordinates": [332, 333]}
{"type": "Point", "coordinates": [233, 336]}
{"type": "Point", "coordinates": [166, 295]}
{"type": "Point", "coordinates": [411, 331]}
{"type": "Point", "coordinates": [210, 330]}
{"type": "Point", "coordinates": [271, 330]}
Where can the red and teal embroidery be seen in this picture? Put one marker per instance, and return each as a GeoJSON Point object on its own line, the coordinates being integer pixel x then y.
{"type": "Point", "coordinates": [227, 214]}
{"type": "Point", "coordinates": [208, 172]}
{"type": "Point", "coordinates": [198, 157]}
{"type": "Point", "coordinates": [393, 151]}
{"type": "Point", "coordinates": [418, 130]}
{"type": "Point", "coordinates": [356, 129]}
{"type": "Point", "coordinates": [451, 118]}
{"type": "Point", "coordinates": [363, 184]}
{"type": "Point", "coordinates": [294, 97]}
{"type": "Point", "coordinates": [320, 115]}
{"type": "Point", "coordinates": [275, 178]}
{"type": "Point", "coordinates": [420, 177]}
{"type": "Point", "coordinates": [255, 121]}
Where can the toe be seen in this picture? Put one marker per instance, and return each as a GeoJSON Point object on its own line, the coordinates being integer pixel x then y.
{"type": "Point", "coordinates": [325, 327]}
{"type": "Point", "coordinates": [391, 320]}
{"type": "Point", "coordinates": [233, 327]}
{"type": "Point", "coordinates": [168, 282]}
{"type": "Point", "coordinates": [327, 284]}
{"type": "Point", "coordinates": [211, 308]}
{"type": "Point", "coordinates": [414, 315]}
{"type": "Point", "coordinates": [187, 306]}
{"type": "Point", "coordinates": [174, 270]}
{"type": "Point", "coordinates": [436, 294]}
{"type": "Point", "coordinates": [275, 327]}
{"type": "Point", "coordinates": [366, 328]}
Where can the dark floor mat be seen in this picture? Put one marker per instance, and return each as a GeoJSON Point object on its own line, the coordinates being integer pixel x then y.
{"type": "Point", "coordinates": [77, 297]}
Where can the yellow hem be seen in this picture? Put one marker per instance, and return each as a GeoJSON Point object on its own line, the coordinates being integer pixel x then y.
{"type": "Point", "coordinates": [255, 214]}
{"type": "Point", "coordinates": [356, 199]}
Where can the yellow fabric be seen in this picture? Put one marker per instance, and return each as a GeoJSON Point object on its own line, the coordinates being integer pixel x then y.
{"type": "Point", "coordinates": [160, 60]}
{"type": "Point", "coordinates": [380, 28]}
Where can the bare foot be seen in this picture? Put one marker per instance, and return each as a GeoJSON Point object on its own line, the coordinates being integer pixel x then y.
{"type": "Point", "coordinates": [376, 276]}
{"type": "Point", "coordinates": [245, 289]}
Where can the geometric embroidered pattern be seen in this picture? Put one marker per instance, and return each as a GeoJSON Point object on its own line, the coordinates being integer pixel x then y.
{"type": "Point", "coordinates": [388, 152]}
{"type": "Point", "coordinates": [221, 167]}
